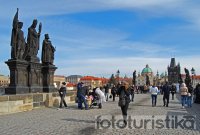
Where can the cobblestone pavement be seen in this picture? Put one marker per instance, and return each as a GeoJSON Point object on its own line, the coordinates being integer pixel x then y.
{"type": "Point", "coordinates": [71, 121]}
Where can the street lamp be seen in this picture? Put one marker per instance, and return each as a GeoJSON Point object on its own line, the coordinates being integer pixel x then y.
{"type": "Point", "coordinates": [193, 73]}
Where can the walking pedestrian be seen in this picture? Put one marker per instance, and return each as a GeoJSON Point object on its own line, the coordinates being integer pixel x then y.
{"type": "Point", "coordinates": [132, 90]}
{"type": "Point", "coordinates": [113, 92]}
{"type": "Point", "coordinates": [106, 92]}
{"type": "Point", "coordinates": [81, 93]}
{"type": "Point", "coordinates": [184, 91]}
{"type": "Point", "coordinates": [173, 90]}
{"type": "Point", "coordinates": [62, 93]}
{"type": "Point", "coordinates": [154, 93]}
{"type": "Point", "coordinates": [166, 93]}
{"type": "Point", "coordinates": [124, 99]}
{"type": "Point", "coordinates": [189, 95]}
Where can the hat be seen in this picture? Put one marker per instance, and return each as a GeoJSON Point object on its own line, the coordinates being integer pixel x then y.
{"type": "Point", "coordinates": [64, 83]}
{"type": "Point", "coordinates": [46, 36]}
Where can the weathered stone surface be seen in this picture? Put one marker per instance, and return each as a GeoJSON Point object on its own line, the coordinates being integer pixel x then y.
{"type": "Point", "coordinates": [26, 107]}
{"type": "Point", "coordinates": [18, 77]}
{"type": "Point", "coordinates": [24, 102]}
{"type": "Point", "coordinates": [27, 98]}
{"type": "Point", "coordinates": [56, 102]}
{"type": "Point", "coordinates": [36, 105]}
{"type": "Point", "coordinates": [37, 97]}
{"type": "Point", "coordinates": [3, 98]}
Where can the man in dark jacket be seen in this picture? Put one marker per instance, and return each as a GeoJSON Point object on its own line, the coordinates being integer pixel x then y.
{"type": "Point", "coordinates": [114, 91]}
{"type": "Point", "coordinates": [81, 93]}
{"type": "Point", "coordinates": [173, 90]}
{"type": "Point", "coordinates": [106, 91]}
{"type": "Point", "coordinates": [62, 93]}
{"type": "Point", "coordinates": [166, 93]}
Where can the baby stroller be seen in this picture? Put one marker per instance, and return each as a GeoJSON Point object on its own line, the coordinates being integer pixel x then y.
{"type": "Point", "coordinates": [95, 100]}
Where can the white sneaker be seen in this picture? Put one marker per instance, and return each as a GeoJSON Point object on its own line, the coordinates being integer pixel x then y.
{"type": "Point", "coordinates": [59, 109]}
{"type": "Point", "coordinates": [183, 107]}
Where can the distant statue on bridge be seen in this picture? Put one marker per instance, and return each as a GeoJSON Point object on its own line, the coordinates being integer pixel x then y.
{"type": "Point", "coordinates": [187, 78]}
{"type": "Point", "coordinates": [134, 77]}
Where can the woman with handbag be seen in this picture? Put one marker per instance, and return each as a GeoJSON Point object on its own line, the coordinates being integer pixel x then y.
{"type": "Point", "coordinates": [124, 99]}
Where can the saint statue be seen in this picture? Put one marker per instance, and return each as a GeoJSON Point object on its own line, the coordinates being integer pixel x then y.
{"type": "Point", "coordinates": [47, 51]}
{"type": "Point", "coordinates": [20, 41]}
{"type": "Point", "coordinates": [14, 36]}
{"type": "Point", "coordinates": [33, 38]}
{"type": "Point", "coordinates": [17, 39]}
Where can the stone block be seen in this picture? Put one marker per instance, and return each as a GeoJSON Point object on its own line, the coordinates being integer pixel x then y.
{"type": "Point", "coordinates": [36, 105]}
{"type": "Point", "coordinates": [26, 107]}
{"type": "Point", "coordinates": [37, 97]}
{"type": "Point", "coordinates": [42, 104]}
{"type": "Point", "coordinates": [55, 94]}
{"type": "Point", "coordinates": [14, 106]}
{"type": "Point", "coordinates": [56, 102]}
{"type": "Point", "coordinates": [4, 98]}
{"type": "Point", "coordinates": [4, 107]}
{"type": "Point", "coordinates": [27, 98]}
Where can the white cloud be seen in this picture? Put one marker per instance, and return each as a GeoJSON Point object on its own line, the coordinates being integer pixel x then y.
{"type": "Point", "coordinates": [126, 65]}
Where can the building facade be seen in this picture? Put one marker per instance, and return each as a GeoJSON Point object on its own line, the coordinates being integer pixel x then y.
{"type": "Point", "coordinates": [4, 81]}
{"type": "Point", "coordinates": [74, 79]}
{"type": "Point", "coordinates": [141, 78]}
{"type": "Point", "coordinates": [93, 81]}
{"type": "Point", "coordinates": [58, 79]}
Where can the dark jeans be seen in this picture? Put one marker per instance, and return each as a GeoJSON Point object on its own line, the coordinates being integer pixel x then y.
{"type": "Point", "coordinates": [62, 99]}
{"type": "Point", "coordinates": [81, 99]}
{"type": "Point", "coordinates": [154, 99]}
{"type": "Point", "coordinates": [114, 96]}
{"type": "Point", "coordinates": [106, 95]}
{"type": "Point", "coordinates": [165, 97]}
{"type": "Point", "coordinates": [132, 97]}
{"type": "Point", "coordinates": [189, 101]}
{"type": "Point", "coordinates": [124, 112]}
{"type": "Point", "coordinates": [183, 99]}
{"type": "Point", "coordinates": [172, 95]}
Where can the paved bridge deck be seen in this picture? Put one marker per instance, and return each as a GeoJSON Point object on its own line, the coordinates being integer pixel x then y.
{"type": "Point", "coordinates": [50, 121]}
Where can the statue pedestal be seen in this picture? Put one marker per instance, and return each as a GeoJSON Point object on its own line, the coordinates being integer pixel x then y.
{"type": "Point", "coordinates": [35, 77]}
{"type": "Point", "coordinates": [18, 77]}
{"type": "Point", "coordinates": [48, 77]}
{"type": "Point", "coordinates": [33, 59]}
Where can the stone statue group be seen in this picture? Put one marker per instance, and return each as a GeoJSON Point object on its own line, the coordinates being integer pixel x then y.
{"type": "Point", "coordinates": [22, 50]}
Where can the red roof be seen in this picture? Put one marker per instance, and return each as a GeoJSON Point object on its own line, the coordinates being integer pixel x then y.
{"type": "Point", "coordinates": [90, 78]}
{"type": "Point", "coordinates": [71, 85]}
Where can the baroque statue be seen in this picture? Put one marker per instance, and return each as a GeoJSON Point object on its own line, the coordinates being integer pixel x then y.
{"type": "Point", "coordinates": [17, 39]}
{"type": "Point", "coordinates": [134, 77]}
{"type": "Point", "coordinates": [47, 51]}
{"type": "Point", "coordinates": [33, 38]}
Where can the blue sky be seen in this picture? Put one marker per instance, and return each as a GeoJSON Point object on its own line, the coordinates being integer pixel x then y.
{"type": "Point", "coordinates": [98, 37]}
